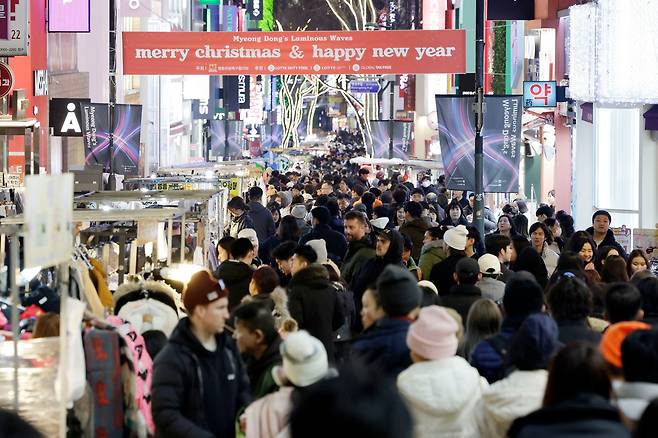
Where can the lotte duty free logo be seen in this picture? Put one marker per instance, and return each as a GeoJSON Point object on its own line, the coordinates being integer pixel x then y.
{"type": "Point", "coordinates": [539, 94]}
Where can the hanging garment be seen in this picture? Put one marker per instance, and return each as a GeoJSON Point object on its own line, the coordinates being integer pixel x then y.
{"type": "Point", "coordinates": [103, 373]}
{"type": "Point", "coordinates": [99, 277]}
{"type": "Point", "coordinates": [148, 305]}
{"type": "Point", "coordinates": [89, 291]}
{"type": "Point", "coordinates": [74, 373]}
{"type": "Point", "coordinates": [142, 370]}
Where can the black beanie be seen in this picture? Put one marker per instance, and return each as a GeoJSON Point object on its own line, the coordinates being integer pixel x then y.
{"type": "Point", "coordinates": [322, 214]}
{"type": "Point", "coordinates": [398, 291]}
{"type": "Point", "coordinates": [523, 295]}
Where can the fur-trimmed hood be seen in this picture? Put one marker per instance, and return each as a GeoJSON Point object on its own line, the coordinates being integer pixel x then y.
{"type": "Point", "coordinates": [148, 305]}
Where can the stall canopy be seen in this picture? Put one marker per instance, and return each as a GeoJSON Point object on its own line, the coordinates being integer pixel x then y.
{"type": "Point", "coordinates": [651, 119]}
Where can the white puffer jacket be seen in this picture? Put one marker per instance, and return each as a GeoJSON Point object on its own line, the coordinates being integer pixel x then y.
{"type": "Point", "coordinates": [442, 396]}
{"type": "Point", "coordinates": [508, 399]}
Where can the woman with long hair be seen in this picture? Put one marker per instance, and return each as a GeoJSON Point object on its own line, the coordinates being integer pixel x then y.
{"type": "Point", "coordinates": [541, 239]}
{"type": "Point", "coordinates": [484, 320]}
{"type": "Point", "coordinates": [614, 270]}
{"type": "Point", "coordinates": [637, 261]}
{"type": "Point", "coordinates": [288, 230]}
{"type": "Point", "coordinates": [505, 226]}
{"type": "Point", "coordinates": [583, 244]}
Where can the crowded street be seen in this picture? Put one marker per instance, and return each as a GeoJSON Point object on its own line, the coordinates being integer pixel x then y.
{"type": "Point", "coordinates": [328, 218]}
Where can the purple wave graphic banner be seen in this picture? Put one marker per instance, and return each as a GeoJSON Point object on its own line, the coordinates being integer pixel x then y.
{"type": "Point", "coordinates": [502, 133]}
{"type": "Point", "coordinates": [126, 149]}
{"type": "Point", "coordinates": [402, 138]}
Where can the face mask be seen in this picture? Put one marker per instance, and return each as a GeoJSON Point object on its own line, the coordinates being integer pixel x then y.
{"type": "Point", "coordinates": [426, 184]}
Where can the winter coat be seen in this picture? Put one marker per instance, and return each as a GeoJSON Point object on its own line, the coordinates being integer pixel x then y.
{"type": "Point", "coordinates": [314, 304]}
{"type": "Point", "coordinates": [336, 242]}
{"type": "Point", "coordinates": [384, 346]}
{"type": "Point", "coordinates": [584, 415]}
{"type": "Point", "coordinates": [415, 230]}
{"type": "Point", "coordinates": [492, 289]}
{"type": "Point", "coordinates": [190, 383]}
{"type": "Point", "coordinates": [337, 224]}
{"type": "Point", "coordinates": [506, 400]}
{"type": "Point", "coordinates": [521, 224]}
{"type": "Point", "coordinates": [262, 219]}
{"type": "Point", "coordinates": [238, 224]}
{"type": "Point", "coordinates": [441, 274]}
{"type": "Point", "coordinates": [277, 300]}
{"type": "Point", "coordinates": [431, 254]}
{"type": "Point", "coordinates": [490, 356]}
{"type": "Point", "coordinates": [442, 396]}
{"type": "Point", "coordinates": [461, 298]}
{"type": "Point", "coordinates": [268, 417]}
{"type": "Point", "coordinates": [633, 398]}
{"type": "Point", "coordinates": [357, 254]}
{"type": "Point", "coordinates": [609, 240]}
{"type": "Point", "coordinates": [259, 371]}
{"type": "Point", "coordinates": [236, 276]}
{"type": "Point", "coordinates": [265, 250]}
{"type": "Point", "coordinates": [579, 330]}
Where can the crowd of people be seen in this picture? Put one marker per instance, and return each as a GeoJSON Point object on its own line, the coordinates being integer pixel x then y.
{"type": "Point", "coordinates": [354, 302]}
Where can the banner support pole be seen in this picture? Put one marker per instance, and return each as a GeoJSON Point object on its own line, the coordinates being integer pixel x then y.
{"type": "Point", "coordinates": [113, 87]}
{"type": "Point", "coordinates": [479, 109]}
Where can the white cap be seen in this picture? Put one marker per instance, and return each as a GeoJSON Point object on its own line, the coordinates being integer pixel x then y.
{"type": "Point", "coordinates": [379, 223]}
{"type": "Point", "coordinates": [304, 359]}
{"type": "Point", "coordinates": [456, 238]}
{"type": "Point", "coordinates": [320, 248]}
{"type": "Point", "coordinates": [489, 264]}
{"type": "Point", "coordinates": [428, 284]}
{"type": "Point", "coordinates": [249, 233]}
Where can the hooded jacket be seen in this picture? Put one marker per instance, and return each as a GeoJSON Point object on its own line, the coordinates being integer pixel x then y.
{"type": "Point", "coordinates": [442, 396]}
{"type": "Point", "coordinates": [336, 242]}
{"type": "Point", "coordinates": [431, 254]}
{"type": "Point", "coordinates": [236, 276]}
{"type": "Point", "coordinates": [415, 230]}
{"type": "Point", "coordinates": [278, 301]}
{"type": "Point", "coordinates": [585, 413]}
{"type": "Point", "coordinates": [441, 273]}
{"type": "Point", "coordinates": [506, 400]}
{"type": "Point", "coordinates": [358, 253]}
{"type": "Point", "coordinates": [609, 240]}
{"type": "Point", "coordinates": [196, 392]}
{"type": "Point", "coordinates": [262, 220]}
{"type": "Point", "coordinates": [372, 268]}
{"type": "Point", "coordinates": [314, 304]}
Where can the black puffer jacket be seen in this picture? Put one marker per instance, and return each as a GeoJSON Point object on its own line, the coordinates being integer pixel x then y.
{"type": "Point", "coordinates": [314, 304]}
{"type": "Point", "coordinates": [197, 393]}
{"type": "Point", "coordinates": [609, 241]}
{"type": "Point", "coordinates": [236, 277]}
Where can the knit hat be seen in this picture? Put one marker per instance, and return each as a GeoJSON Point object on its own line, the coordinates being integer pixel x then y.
{"type": "Point", "coordinates": [456, 238]}
{"type": "Point", "coordinates": [398, 291]}
{"type": "Point", "coordinates": [489, 264]}
{"type": "Point", "coordinates": [429, 285]}
{"type": "Point", "coordinates": [286, 198]}
{"type": "Point", "coordinates": [249, 233]}
{"type": "Point", "coordinates": [320, 248]}
{"type": "Point", "coordinates": [433, 335]}
{"type": "Point", "coordinates": [304, 359]}
{"type": "Point", "coordinates": [467, 269]}
{"type": "Point", "coordinates": [201, 290]}
{"type": "Point", "coordinates": [321, 214]}
{"type": "Point", "coordinates": [523, 295]}
{"type": "Point", "coordinates": [298, 211]}
{"type": "Point", "coordinates": [535, 342]}
{"type": "Point", "coordinates": [613, 338]}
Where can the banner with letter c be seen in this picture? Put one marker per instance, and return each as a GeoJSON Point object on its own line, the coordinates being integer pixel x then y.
{"type": "Point", "coordinates": [294, 53]}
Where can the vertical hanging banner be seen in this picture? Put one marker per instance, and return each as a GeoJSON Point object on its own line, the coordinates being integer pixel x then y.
{"type": "Point", "coordinates": [230, 19]}
{"type": "Point", "coordinates": [255, 9]}
{"type": "Point", "coordinates": [236, 92]}
{"type": "Point", "coordinates": [403, 135]}
{"type": "Point", "coordinates": [134, 8]}
{"type": "Point", "coordinates": [502, 134]}
{"type": "Point", "coordinates": [14, 31]}
{"type": "Point", "coordinates": [71, 16]}
{"type": "Point", "coordinates": [295, 53]}
{"type": "Point", "coordinates": [511, 10]}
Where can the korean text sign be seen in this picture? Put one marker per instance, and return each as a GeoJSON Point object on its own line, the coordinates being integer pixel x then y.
{"type": "Point", "coordinates": [539, 94]}
{"type": "Point", "coordinates": [362, 52]}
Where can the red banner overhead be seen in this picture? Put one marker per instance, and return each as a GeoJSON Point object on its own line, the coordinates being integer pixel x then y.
{"type": "Point", "coordinates": [369, 52]}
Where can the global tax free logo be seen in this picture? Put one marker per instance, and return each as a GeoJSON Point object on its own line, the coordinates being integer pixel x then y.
{"type": "Point", "coordinates": [539, 94]}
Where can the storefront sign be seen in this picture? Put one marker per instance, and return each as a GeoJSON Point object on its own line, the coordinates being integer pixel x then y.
{"type": "Point", "coordinates": [511, 10]}
{"type": "Point", "coordinates": [48, 219]}
{"type": "Point", "coordinates": [624, 237]}
{"type": "Point", "coordinates": [65, 116]}
{"type": "Point", "coordinates": [255, 9]}
{"type": "Point", "coordinates": [69, 16]}
{"type": "Point", "coordinates": [236, 92]}
{"type": "Point", "coordinates": [12, 180]}
{"type": "Point", "coordinates": [363, 52]}
{"type": "Point", "coordinates": [6, 80]}
{"type": "Point", "coordinates": [135, 8]}
{"type": "Point", "coordinates": [502, 134]}
{"type": "Point", "coordinates": [539, 94]}
{"type": "Point", "coordinates": [13, 27]}
{"type": "Point", "coordinates": [365, 87]}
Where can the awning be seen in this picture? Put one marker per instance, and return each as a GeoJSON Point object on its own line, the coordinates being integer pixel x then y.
{"type": "Point", "coordinates": [587, 112]}
{"type": "Point", "coordinates": [651, 119]}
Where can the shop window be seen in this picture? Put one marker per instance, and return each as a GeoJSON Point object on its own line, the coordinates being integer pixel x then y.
{"type": "Point", "coordinates": [617, 163]}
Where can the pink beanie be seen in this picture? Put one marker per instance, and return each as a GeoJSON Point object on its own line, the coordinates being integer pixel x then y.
{"type": "Point", "coordinates": [434, 334]}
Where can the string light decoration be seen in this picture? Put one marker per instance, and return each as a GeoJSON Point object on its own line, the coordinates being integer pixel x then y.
{"type": "Point", "coordinates": [582, 50]}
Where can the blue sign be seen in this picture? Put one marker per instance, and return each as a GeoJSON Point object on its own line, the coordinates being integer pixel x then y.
{"type": "Point", "coordinates": [539, 94]}
{"type": "Point", "coordinates": [365, 87]}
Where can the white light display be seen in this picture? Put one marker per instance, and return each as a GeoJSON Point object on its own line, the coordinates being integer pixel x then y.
{"type": "Point", "coordinates": [582, 51]}
{"type": "Point", "coordinates": [613, 52]}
